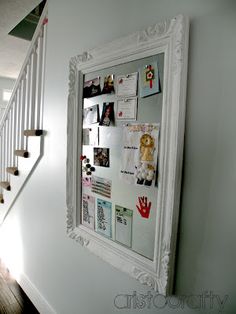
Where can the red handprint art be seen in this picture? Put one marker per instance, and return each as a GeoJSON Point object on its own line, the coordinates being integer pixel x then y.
{"type": "Point", "coordinates": [144, 207]}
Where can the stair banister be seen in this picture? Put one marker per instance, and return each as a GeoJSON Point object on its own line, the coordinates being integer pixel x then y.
{"type": "Point", "coordinates": [23, 116]}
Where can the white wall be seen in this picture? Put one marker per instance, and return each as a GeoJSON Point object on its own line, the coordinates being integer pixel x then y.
{"type": "Point", "coordinates": [73, 280]}
{"type": "Point", "coordinates": [5, 84]}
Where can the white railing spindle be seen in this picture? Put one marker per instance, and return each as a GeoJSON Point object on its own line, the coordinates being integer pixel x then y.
{"type": "Point", "coordinates": [10, 137]}
{"type": "Point", "coordinates": [44, 34]}
{"type": "Point", "coordinates": [1, 161]}
{"type": "Point", "coordinates": [22, 114]}
{"type": "Point", "coordinates": [18, 119]}
{"type": "Point", "coordinates": [1, 177]}
{"type": "Point", "coordinates": [7, 140]}
{"type": "Point", "coordinates": [14, 121]}
{"type": "Point", "coordinates": [26, 124]}
{"type": "Point", "coordinates": [3, 153]}
{"type": "Point", "coordinates": [27, 109]}
{"type": "Point", "coordinates": [38, 81]}
{"type": "Point", "coordinates": [32, 88]}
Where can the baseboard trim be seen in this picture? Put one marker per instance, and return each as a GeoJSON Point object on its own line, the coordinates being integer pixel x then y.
{"type": "Point", "coordinates": [35, 296]}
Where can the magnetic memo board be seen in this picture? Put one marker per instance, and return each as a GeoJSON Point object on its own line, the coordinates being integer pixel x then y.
{"type": "Point", "coordinates": [103, 209]}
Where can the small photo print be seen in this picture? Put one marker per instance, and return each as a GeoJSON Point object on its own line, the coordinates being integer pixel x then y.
{"type": "Point", "coordinates": [92, 88]}
{"type": "Point", "coordinates": [108, 116]}
{"type": "Point", "coordinates": [103, 217]}
{"type": "Point", "coordinates": [108, 87]}
{"type": "Point", "coordinates": [101, 156]}
{"type": "Point", "coordinates": [91, 115]}
{"type": "Point", "coordinates": [91, 136]}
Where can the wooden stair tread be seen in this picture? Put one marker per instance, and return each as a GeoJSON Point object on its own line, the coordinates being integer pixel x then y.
{"type": "Point", "coordinates": [22, 153]}
{"type": "Point", "coordinates": [33, 132]}
{"type": "Point", "coordinates": [5, 185]}
{"type": "Point", "coordinates": [1, 199]}
{"type": "Point", "coordinates": [13, 170]}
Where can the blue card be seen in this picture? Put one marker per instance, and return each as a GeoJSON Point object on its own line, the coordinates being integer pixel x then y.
{"type": "Point", "coordinates": [103, 217]}
{"type": "Point", "coordinates": [149, 80]}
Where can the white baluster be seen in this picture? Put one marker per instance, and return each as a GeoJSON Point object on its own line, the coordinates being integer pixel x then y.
{"type": "Point", "coordinates": [28, 95]}
{"type": "Point", "coordinates": [17, 114]}
{"type": "Point", "coordinates": [7, 146]}
{"type": "Point", "coordinates": [3, 153]}
{"type": "Point", "coordinates": [1, 164]}
{"type": "Point", "coordinates": [22, 114]}
{"type": "Point", "coordinates": [27, 80]}
{"type": "Point", "coordinates": [44, 32]}
{"type": "Point", "coordinates": [38, 82]}
{"type": "Point", "coordinates": [14, 122]}
{"type": "Point", "coordinates": [32, 88]}
{"type": "Point", "coordinates": [10, 137]}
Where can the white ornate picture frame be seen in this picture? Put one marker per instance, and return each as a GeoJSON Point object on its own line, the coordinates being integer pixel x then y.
{"type": "Point", "coordinates": [171, 38]}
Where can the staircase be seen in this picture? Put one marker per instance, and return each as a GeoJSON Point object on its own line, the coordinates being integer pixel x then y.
{"type": "Point", "coordinates": [21, 126]}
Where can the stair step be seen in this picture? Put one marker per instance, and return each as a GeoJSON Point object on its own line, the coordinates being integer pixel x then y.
{"type": "Point", "coordinates": [33, 132]}
{"type": "Point", "coordinates": [13, 170]}
{"type": "Point", "coordinates": [1, 199]}
{"type": "Point", "coordinates": [22, 153]}
{"type": "Point", "coordinates": [5, 185]}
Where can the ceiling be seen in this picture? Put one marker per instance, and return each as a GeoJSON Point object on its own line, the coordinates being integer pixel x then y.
{"type": "Point", "coordinates": [13, 50]}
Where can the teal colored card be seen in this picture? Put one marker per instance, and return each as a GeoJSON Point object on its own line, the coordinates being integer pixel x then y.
{"type": "Point", "coordinates": [103, 217]}
{"type": "Point", "coordinates": [149, 80]}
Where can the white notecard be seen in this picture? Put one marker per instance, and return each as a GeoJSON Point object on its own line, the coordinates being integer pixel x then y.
{"type": "Point", "coordinates": [127, 84]}
{"type": "Point", "coordinates": [127, 109]}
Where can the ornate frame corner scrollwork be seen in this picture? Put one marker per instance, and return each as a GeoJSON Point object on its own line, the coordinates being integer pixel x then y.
{"type": "Point", "coordinates": [146, 279]}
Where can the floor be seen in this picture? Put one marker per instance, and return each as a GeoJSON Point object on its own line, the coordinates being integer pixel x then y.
{"type": "Point", "coordinates": [13, 300]}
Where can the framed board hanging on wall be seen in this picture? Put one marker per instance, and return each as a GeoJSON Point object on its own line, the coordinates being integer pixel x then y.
{"type": "Point", "coordinates": [125, 135]}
